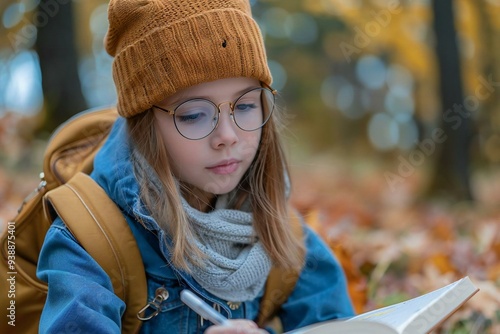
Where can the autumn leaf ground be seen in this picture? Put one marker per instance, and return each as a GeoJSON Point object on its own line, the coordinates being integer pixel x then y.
{"type": "Point", "coordinates": [395, 245]}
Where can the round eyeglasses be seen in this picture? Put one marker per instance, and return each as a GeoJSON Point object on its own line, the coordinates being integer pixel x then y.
{"type": "Point", "coordinates": [197, 118]}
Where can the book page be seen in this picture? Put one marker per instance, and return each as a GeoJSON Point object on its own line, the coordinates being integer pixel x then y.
{"type": "Point", "coordinates": [441, 308]}
{"type": "Point", "coordinates": [344, 327]}
{"type": "Point", "coordinates": [398, 316]}
{"type": "Point", "coordinates": [418, 315]}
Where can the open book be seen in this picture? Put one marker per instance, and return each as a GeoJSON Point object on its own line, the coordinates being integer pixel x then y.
{"type": "Point", "coordinates": [416, 316]}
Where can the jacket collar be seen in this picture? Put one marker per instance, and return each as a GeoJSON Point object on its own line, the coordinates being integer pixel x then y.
{"type": "Point", "coordinates": [113, 171]}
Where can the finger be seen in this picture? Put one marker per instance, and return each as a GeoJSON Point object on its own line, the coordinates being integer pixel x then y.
{"type": "Point", "coordinates": [239, 326]}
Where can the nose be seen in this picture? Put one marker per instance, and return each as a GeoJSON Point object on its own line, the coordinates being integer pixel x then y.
{"type": "Point", "coordinates": [225, 134]}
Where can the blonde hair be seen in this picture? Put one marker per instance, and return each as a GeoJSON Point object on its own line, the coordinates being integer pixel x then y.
{"type": "Point", "coordinates": [264, 183]}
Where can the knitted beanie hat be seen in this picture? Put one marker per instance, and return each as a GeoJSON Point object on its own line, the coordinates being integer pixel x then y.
{"type": "Point", "coordinates": [163, 46]}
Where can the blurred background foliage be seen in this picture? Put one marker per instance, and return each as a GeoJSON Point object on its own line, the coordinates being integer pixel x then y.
{"type": "Point", "coordinates": [392, 107]}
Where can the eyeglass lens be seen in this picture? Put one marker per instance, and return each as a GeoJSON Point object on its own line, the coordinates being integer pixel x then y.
{"type": "Point", "coordinates": [197, 118]}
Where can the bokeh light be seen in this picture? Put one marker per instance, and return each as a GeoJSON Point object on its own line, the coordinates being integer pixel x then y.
{"type": "Point", "coordinates": [95, 68]}
{"type": "Point", "coordinates": [371, 72]}
{"type": "Point", "coordinates": [301, 28]}
{"type": "Point", "coordinates": [279, 74]}
{"type": "Point", "coordinates": [13, 15]}
{"type": "Point", "coordinates": [383, 131]}
{"type": "Point", "coordinates": [337, 93]}
{"type": "Point", "coordinates": [23, 93]}
{"type": "Point", "coordinates": [273, 21]}
{"type": "Point", "coordinates": [400, 104]}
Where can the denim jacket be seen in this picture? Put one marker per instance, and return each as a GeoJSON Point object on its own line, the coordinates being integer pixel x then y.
{"type": "Point", "coordinates": [81, 299]}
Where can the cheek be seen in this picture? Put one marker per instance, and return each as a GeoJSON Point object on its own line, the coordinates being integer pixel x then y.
{"type": "Point", "coordinates": [180, 151]}
{"type": "Point", "coordinates": [249, 143]}
{"type": "Point", "coordinates": [183, 156]}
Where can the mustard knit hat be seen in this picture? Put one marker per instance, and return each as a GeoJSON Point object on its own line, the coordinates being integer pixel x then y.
{"type": "Point", "coordinates": [163, 46]}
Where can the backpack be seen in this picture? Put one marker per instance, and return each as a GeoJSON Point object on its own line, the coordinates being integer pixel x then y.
{"type": "Point", "coordinates": [66, 190]}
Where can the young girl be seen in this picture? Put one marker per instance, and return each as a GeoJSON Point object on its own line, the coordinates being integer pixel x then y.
{"type": "Point", "coordinates": [196, 166]}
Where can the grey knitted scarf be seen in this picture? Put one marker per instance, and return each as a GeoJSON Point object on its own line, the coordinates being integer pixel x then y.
{"type": "Point", "coordinates": [236, 264]}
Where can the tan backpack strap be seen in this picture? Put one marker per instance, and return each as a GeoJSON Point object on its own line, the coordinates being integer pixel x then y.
{"type": "Point", "coordinates": [100, 227]}
{"type": "Point", "coordinates": [281, 282]}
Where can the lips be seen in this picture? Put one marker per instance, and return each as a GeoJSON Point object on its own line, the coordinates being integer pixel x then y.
{"type": "Point", "coordinates": [225, 167]}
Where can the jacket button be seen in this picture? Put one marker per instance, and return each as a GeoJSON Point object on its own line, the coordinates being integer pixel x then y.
{"type": "Point", "coordinates": [234, 305]}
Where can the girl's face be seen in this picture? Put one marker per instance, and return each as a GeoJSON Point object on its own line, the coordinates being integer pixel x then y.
{"type": "Point", "coordinates": [217, 162]}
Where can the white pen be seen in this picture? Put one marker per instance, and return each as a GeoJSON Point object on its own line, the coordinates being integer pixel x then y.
{"type": "Point", "coordinates": [203, 309]}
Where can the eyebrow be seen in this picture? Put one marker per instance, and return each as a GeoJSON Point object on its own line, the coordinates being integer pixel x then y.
{"type": "Point", "coordinates": [181, 99]}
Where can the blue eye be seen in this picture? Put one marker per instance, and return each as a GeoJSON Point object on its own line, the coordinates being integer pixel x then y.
{"type": "Point", "coordinates": [245, 106]}
{"type": "Point", "coordinates": [189, 118]}
{"type": "Point", "coordinates": [194, 113]}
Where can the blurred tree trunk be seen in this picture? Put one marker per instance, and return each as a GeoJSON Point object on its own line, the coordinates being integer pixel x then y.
{"type": "Point", "coordinates": [59, 63]}
{"type": "Point", "coordinates": [451, 172]}
{"type": "Point", "coordinates": [489, 120]}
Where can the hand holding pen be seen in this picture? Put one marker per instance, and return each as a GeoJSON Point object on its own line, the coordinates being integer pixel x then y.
{"type": "Point", "coordinates": [222, 324]}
